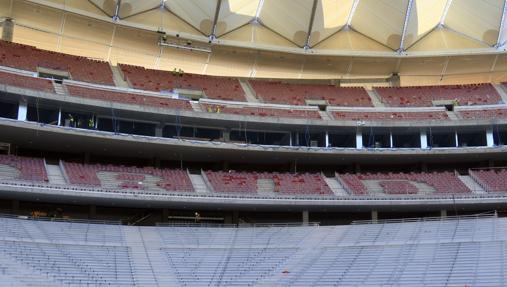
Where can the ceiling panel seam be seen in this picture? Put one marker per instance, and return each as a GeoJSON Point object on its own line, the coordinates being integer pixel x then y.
{"type": "Point", "coordinates": [405, 24]}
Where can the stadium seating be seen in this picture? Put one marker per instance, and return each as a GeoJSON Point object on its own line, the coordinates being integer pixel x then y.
{"type": "Point", "coordinates": [482, 114]}
{"type": "Point", "coordinates": [441, 182]}
{"type": "Point", "coordinates": [26, 82]}
{"type": "Point", "coordinates": [463, 251]}
{"type": "Point", "coordinates": [389, 116]}
{"type": "Point", "coordinates": [128, 98]}
{"type": "Point", "coordinates": [480, 94]}
{"type": "Point", "coordinates": [261, 111]}
{"type": "Point", "coordinates": [284, 183]}
{"type": "Point", "coordinates": [494, 180]}
{"type": "Point", "coordinates": [30, 169]}
{"type": "Point", "coordinates": [30, 58]}
{"type": "Point", "coordinates": [297, 94]}
{"type": "Point", "coordinates": [123, 177]}
{"type": "Point", "coordinates": [220, 88]}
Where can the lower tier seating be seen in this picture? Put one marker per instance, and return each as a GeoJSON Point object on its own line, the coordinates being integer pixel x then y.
{"type": "Point", "coordinates": [27, 82]}
{"type": "Point", "coordinates": [491, 179]}
{"type": "Point", "coordinates": [126, 177]}
{"type": "Point", "coordinates": [397, 116]}
{"type": "Point", "coordinates": [282, 183]}
{"type": "Point", "coordinates": [463, 95]}
{"type": "Point", "coordinates": [403, 183]}
{"type": "Point", "coordinates": [482, 114]}
{"type": "Point", "coordinates": [128, 98]}
{"type": "Point", "coordinates": [261, 112]}
{"type": "Point", "coordinates": [22, 168]}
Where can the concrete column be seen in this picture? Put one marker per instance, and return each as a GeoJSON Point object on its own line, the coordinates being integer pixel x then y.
{"type": "Point", "coordinates": [306, 217]}
{"type": "Point", "coordinates": [424, 139]}
{"type": "Point", "coordinates": [390, 139]}
{"type": "Point", "coordinates": [374, 216]}
{"type": "Point", "coordinates": [15, 205]}
{"type": "Point", "coordinates": [490, 142]}
{"type": "Point", "coordinates": [235, 217]}
{"type": "Point", "coordinates": [158, 130]}
{"type": "Point", "coordinates": [165, 214]}
{"type": "Point", "coordinates": [226, 134]}
{"type": "Point", "coordinates": [456, 138]}
{"type": "Point", "coordinates": [7, 29]}
{"type": "Point", "coordinates": [327, 139]}
{"type": "Point", "coordinates": [92, 212]}
{"type": "Point", "coordinates": [359, 139]}
{"type": "Point", "coordinates": [290, 139]}
{"type": "Point", "coordinates": [443, 213]}
{"type": "Point", "coordinates": [22, 110]}
{"type": "Point", "coordinates": [59, 116]}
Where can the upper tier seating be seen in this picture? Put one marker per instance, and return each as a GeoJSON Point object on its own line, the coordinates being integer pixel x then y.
{"type": "Point", "coordinates": [33, 83]}
{"type": "Point", "coordinates": [220, 88]}
{"type": "Point", "coordinates": [126, 177]}
{"type": "Point", "coordinates": [128, 98]}
{"type": "Point", "coordinates": [296, 94]}
{"type": "Point", "coordinates": [284, 183]}
{"type": "Point", "coordinates": [261, 112]}
{"type": "Point", "coordinates": [30, 58]}
{"type": "Point", "coordinates": [482, 114]}
{"type": "Point", "coordinates": [395, 116]}
{"type": "Point", "coordinates": [491, 179]}
{"type": "Point", "coordinates": [31, 169]}
{"type": "Point", "coordinates": [442, 182]}
{"type": "Point", "coordinates": [480, 94]}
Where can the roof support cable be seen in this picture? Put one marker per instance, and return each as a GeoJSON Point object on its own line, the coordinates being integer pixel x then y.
{"type": "Point", "coordinates": [405, 26]}
{"type": "Point", "coordinates": [213, 34]}
{"type": "Point", "coordinates": [499, 41]}
{"type": "Point", "coordinates": [116, 16]}
{"type": "Point", "coordinates": [310, 26]}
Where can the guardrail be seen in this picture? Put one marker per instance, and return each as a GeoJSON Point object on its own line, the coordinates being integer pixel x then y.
{"type": "Point", "coordinates": [424, 219]}
{"type": "Point", "coordinates": [54, 219]}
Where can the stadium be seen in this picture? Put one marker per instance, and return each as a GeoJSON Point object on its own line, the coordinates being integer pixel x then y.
{"type": "Point", "coordinates": [253, 142]}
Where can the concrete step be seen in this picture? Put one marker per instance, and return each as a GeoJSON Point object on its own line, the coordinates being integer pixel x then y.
{"type": "Point", "coordinates": [502, 91]}
{"type": "Point", "coordinates": [249, 91]}
{"type": "Point", "coordinates": [374, 187]}
{"type": "Point", "coordinates": [335, 186]}
{"type": "Point", "coordinates": [325, 116]}
{"type": "Point", "coordinates": [452, 116]}
{"type": "Point", "coordinates": [265, 187]}
{"type": "Point", "coordinates": [199, 183]}
{"type": "Point", "coordinates": [196, 106]}
{"type": "Point", "coordinates": [472, 184]}
{"type": "Point", "coordinates": [375, 99]}
{"type": "Point", "coordinates": [59, 88]}
{"type": "Point", "coordinates": [118, 79]}
{"type": "Point", "coordinates": [55, 174]}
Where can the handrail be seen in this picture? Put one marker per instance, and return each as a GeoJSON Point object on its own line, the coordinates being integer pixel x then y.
{"type": "Point", "coordinates": [492, 214]}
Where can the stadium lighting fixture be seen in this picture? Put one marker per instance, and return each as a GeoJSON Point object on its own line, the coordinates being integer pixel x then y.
{"type": "Point", "coordinates": [187, 46]}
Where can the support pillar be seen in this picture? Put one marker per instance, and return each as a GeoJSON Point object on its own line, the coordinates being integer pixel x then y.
{"type": "Point", "coordinates": [165, 214]}
{"type": "Point", "coordinates": [374, 216]}
{"type": "Point", "coordinates": [159, 130]}
{"type": "Point", "coordinates": [92, 212]}
{"type": "Point", "coordinates": [456, 138]}
{"type": "Point", "coordinates": [306, 217]}
{"type": "Point", "coordinates": [490, 141]}
{"type": "Point", "coordinates": [15, 205]}
{"type": "Point", "coordinates": [424, 139]}
{"type": "Point", "coordinates": [22, 110]}
{"type": "Point", "coordinates": [226, 135]}
{"type": "Point", "coordinates": [359, 139]}
{"type": "Point", "coordinates": [7, 29]}
{"type": "Point", "coordinates": [327, 139]}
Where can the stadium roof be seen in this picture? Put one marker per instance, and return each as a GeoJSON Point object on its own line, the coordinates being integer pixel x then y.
{"type": "Point", "coordinates": [359, 25]}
